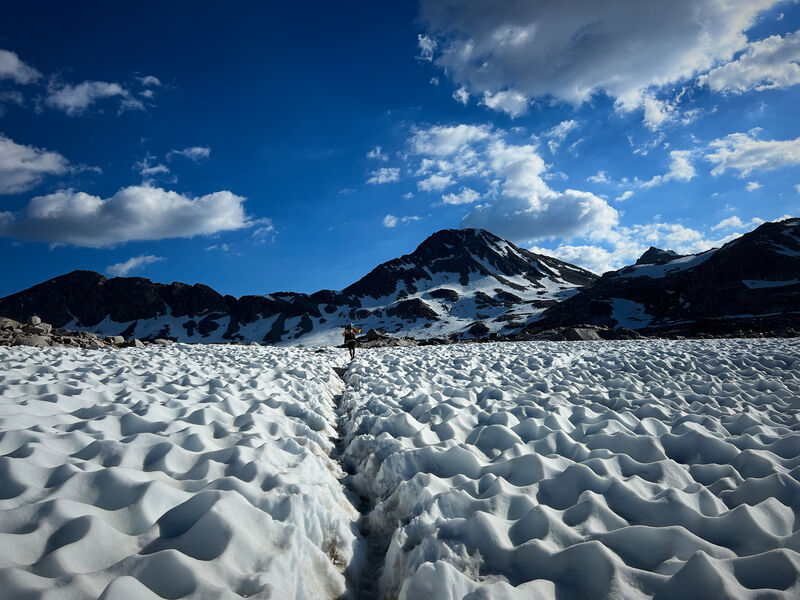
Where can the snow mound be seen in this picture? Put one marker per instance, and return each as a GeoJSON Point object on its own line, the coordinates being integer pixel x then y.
{"type": "Point", "coordinates": [667, 469]}
{"type": "Point", "coordinates": [173, 471]}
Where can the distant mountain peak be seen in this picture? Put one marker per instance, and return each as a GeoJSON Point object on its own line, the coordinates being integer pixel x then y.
{"type": "Point", "coordinates": [657, 256]}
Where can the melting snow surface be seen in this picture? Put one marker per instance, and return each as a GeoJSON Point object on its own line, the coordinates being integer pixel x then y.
{"type": "Point", "coordinates": [173, 472]}
{"type": "Point", "coordinates": [582, 470]}
{"type": "Point", "coordinates": [667, 469]}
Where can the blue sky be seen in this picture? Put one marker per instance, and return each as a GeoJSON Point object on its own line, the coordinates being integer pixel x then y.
{"type": "Point", "coordinates": [274, 148]}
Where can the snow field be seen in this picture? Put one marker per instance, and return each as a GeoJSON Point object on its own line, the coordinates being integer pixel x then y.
{"type": "Point", "coordinates": [667, 469]}
{"type": "Point", "coordinates": [176, 471]}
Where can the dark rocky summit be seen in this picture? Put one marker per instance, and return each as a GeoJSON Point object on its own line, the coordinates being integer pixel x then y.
{"type": "Point", "coordinates": [657, 256]}
{"type": "Point", "coordinates": [749, 286]}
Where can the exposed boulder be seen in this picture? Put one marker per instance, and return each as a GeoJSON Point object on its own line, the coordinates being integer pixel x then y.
{"type": "Point", "coordinates": [37, 328]}
{"type": "Point", "coordinates": [378, 339]}
{"type": "Point", "coordinates": [478, 330]}
{"type": "Point", "coordinates": [412, 309]}
{"type": "Point", "coordinates": [575, 334]}
{"type": "Point", "coordinates": [36, 341]}
{"type": "Point", "coordinates": [444, 294]}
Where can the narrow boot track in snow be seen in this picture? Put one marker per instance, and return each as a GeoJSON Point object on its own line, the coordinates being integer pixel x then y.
{"type": "Point", "coordinates": [362, 575]}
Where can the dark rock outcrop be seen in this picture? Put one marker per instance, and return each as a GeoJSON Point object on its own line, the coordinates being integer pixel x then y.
{"type": "Point", "coordinates": [657, 256]}
{"type": "Point", "coordinates": [412, 309]}
{"type": "Point", "coordinates": [751, 283]}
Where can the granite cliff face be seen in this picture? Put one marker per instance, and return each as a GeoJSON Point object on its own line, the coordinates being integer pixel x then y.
{"type": "Point", "coordinates": [456, 283]}
{"type": "Point", "coordinates": [749, 285]}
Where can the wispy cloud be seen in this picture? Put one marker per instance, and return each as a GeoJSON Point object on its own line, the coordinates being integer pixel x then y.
{"type": "Point", "coordinates": [461, 95]}
{"type": "Point", "coordinates": [11, 67]}
{"type": "Point", "coordinates": [392, 221]}
{"type": "Point", "coordinates": [76, 99]}
{"type": "Point", "coordinates": [194, 153]}
{"type": "Point", "coordinates": [377, 154]}
{"type": "Point", "coordinates": [559, 133]}
{"type": "Point", "coordinates": [149, 81]}
{"type": "Point", "coordinates": [745, 153]}
{"type": "Point", "coordinates": [384, 175]}
{"type": "Point", "coordinates": [427, 46]}
{"type": "Point", "coordinates": [135, 263]}
{"type": "Point", "coordinates": [148, 168]}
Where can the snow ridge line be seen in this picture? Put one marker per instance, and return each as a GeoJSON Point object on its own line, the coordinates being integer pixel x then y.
{"type": "Point", "coordinates": [361, 576]}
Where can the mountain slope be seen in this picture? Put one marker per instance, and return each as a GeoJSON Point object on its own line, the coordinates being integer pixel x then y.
{"type": "Point", "coordinates": [750, 283]}
{"type": "Point", "coordinates": [456, 283]}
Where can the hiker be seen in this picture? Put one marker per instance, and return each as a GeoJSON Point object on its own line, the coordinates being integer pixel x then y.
{"type": "Point", "coordinates": [350, 339]}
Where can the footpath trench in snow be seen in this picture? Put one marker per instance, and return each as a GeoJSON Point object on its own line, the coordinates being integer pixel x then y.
{"type": "Point", "coordinates": [554, 470]}
{"type": "Point", "coordinates": [663, 469]}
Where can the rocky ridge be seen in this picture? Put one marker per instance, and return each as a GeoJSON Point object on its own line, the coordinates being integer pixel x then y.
{"type": "Point", "coordinates": [457, 284]}
{"type": "Point", "coordinates": [748, 287]}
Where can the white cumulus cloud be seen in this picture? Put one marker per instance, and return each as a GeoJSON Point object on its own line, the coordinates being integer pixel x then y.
{"type": "Point", "coordinates": [569, 51]}
{"type": "Point", "coordinates": [461, 95]}
{"type": "Point", "coordinates": [680, 169]}
{"type": "Point", "coordinates": [435, 183]}
{"type": "Point", "coordinates": [389, 221]}
{"type": "Point", "coordinates": [510, 102]}
{"type": "Point", "coordinates": [23, 167]}
{"type": "Point", "coordinates": [599, 177]}
{"type": "Point", "coordinates": [745, 153]}
{"type": "Point", "coordinates": [624, 196]}
{"type": "Point", "coordinates": [135, 263]}
{"type": "Point", "coordinates": [464, 196]}
{"type": "Point", "coordinates": [735, 222]}
{"type": "Point", "coordinates": [133, 213]}
{"type": "Point", "coordinates": [766, 64]}
{"type": "Point", "coordinates": [442, 140]}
